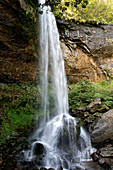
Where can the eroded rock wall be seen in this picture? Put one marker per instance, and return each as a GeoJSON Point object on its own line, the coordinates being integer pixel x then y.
{"type": "Point", "coordinates": [17, 43]}
{"type": "Point", "coordinates": [87, 51]}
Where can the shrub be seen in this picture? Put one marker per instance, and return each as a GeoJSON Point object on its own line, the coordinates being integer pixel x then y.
{"type": "Point", "coordinates": [84, 91]}
{"type": "Point", "coordinates": [82, 95]}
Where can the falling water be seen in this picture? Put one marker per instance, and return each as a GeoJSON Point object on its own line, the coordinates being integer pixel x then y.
{"type": "Point", "coordinates": [62, 140]}
{"type": "Point", "coordinates": [51, 61]}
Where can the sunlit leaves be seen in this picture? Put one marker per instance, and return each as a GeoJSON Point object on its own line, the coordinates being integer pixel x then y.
{"type": "Point", "coordinates": [100, 11]}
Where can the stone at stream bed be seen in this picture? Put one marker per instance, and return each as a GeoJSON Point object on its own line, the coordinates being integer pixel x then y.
{"type": "Point", "coordinates": [106, 152]}
{"type": "Point", "coordinates": [104, 157]}
{"type": "Point", "coordinates": [26, 166]}
{"type": "Point", "coordinates": [102, 129]}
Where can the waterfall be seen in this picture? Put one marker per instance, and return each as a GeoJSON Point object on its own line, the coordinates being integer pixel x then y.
{"type": "Point", "coordinates": [51, 62]}
{"type": "Point", "coordinates": [56, 137]}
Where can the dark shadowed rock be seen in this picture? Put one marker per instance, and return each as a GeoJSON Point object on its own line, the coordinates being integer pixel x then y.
{"type": "Point", "coordinates": [39, 149]}
{"type": "Point", "coordinates": [43, 168]}
{"type": "Point", "coordinates": [95, 156]}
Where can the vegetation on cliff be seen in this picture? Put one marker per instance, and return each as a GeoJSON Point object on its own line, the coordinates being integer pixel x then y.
{"type": "Point", "coordinates": [19, 104]}
{"type": "Point", "coordinates": [99, 11]}
{"type": "Point", "coordinates": [84, 92]}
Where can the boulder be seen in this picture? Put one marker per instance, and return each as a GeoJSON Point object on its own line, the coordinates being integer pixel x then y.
{"type": "Point", "coordinates": [102, 129]}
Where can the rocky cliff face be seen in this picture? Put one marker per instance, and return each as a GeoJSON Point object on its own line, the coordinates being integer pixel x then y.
{"type": "Point", "coordinates": [87, 50]}
{"type": "Point", "coordinates": [17, 40]}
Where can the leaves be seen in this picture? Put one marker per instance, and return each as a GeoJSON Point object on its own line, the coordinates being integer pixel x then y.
{"type": "Point", "coordinates": [86, 10]}
{"type": "Point", "coordinates": [19, 102]}
{"type": "Point", "coordinates": [83, 93]}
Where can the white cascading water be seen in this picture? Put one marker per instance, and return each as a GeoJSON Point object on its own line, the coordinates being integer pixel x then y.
{"type": "Point", "coordinates": [64, 146]}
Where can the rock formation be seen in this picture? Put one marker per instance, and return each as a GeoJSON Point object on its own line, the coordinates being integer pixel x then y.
{"type": "Point", "coordinates": [17, 40]}
{"type": "Point", "coordinates": [87, 50]}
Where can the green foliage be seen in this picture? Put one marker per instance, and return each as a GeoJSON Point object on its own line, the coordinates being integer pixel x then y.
{"type": "Point", "coordinates": [98, 11]}
{"type": "Point", "coordinates": [83, 93]}
{"type": "Point", "coordinates": [86, 10]}
{"type": "Point", "coordinates": [104, 90]}
{"type": "Point", "coordinates": [32, 3]}
{"type": "Point", "coordinates": [31, 8]}
{"type": "Point", "coordinates": [19, 104]}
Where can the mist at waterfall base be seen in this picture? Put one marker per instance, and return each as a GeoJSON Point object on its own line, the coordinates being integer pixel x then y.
{"type": "Point", "coordinates": [58, 141]}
